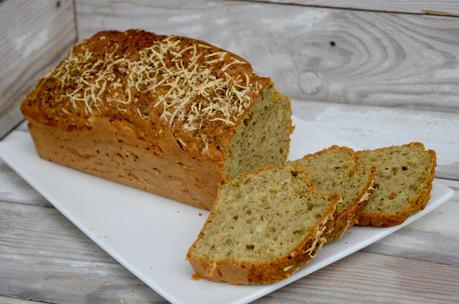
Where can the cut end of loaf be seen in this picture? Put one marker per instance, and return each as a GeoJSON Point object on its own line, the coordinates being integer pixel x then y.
{"type": "Point", "coordinates": [262, 136]}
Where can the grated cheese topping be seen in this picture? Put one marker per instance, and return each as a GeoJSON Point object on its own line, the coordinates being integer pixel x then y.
{"type": "Point", "coordinates": [186, 83]}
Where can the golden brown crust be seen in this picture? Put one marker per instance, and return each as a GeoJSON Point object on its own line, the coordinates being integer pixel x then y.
{"type": "Point", "coordinates": [262, 272]}
{"type": "Point", "coordinates": [416, 204]}
{"type": "Point", "coordinates": [193, 89]}
{"type": "Point", "coordinates": [335, 148]}
{"type": "Point", "coordinates": [111, 151]}
{"type": "Point", "coordinates": [291, 126]}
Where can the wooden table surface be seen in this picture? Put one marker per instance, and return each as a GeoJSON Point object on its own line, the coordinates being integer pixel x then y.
{"type": "Point", "coordinates": [374, 72]}
{"type": "Point", "coordinates": [44, 258]}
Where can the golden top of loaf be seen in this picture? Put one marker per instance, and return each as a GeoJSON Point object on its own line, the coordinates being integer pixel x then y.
{"type": "Point", "coordinates": [156, 84]}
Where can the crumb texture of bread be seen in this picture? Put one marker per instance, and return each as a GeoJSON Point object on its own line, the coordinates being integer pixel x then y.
{"type": "Point", "coordinates": [192, 103]}
{"type": "Point", "coordinates": [336, 170]}
{"type": "Point", "coordinates": [403, 182]}
{"type": "Point", "coordinates": [264, 226]}
{"type": "Point", "coordinates": [263, 135]}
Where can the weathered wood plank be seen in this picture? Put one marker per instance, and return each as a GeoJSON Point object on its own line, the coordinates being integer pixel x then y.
{"type": "Point", "coordinates": [453, 184]}
{"type": "Point", "coordinates": [22, 127]}
{"type": "Point", "coordinates": [372, 127]}
{"type": "Point", "coordinates": [14, 300]}
{"type": "Point", "coordinates": [44, 257]}
{"type": "Point", "coordinates": [373, 278]}
{"type": "Point", "coordinates": [442, 7]}
{"type": "Point", "coordinates": [433, 238]}
{"type": "Point", "coordinates": [343, 56]}
{"type": "Point", "coordinates": [14, 189]}
{"type": "Point", "coordinates": [34, 35]}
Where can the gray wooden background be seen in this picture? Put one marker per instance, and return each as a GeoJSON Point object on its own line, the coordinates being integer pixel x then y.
{"type": "Point", "coordinates": [365, 54]}
{"type": "Point", "coordinates": [373, 72]}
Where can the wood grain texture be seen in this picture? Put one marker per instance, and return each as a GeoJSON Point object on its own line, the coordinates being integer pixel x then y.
{"type": "Point", "coordinates": [34, 35]}
{"type": "Point", "coordinates": [14, 189]}
{"type": "Point", "coordinates": [373, 278]}
{"type": "Point", "coordinates": [438, 7]}
{"type": "Point", "coordinates": [44, 257]}
{"type": "Point", "coordinates": [327, 55]}
{"type": "Point", "coordinates": [372, 127]}
{"type": "Point", "coordinates": [15, 300]}
{"type": "Point", "coordinates": [453, 184]}
{"type": "Point", "coordinates": [434, 238]}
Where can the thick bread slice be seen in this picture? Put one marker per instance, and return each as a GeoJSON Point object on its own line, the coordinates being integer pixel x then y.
{"type": "Point", "coordinates": [403, 183]}
{"type": "Point", "coordinates": [263, 227]}
{"type": "Point", "coordinates": [355, 196]}
{"type": "Point", "coordinates": [337, 170]}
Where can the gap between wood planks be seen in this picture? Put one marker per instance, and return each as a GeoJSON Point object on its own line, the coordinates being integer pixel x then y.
{"type": "Point", "coordinates": [449, 182]}
{"type": "Point", "coordinates": [13, 128]}
{"type": "Point", "coordinates": [18, 300]}
{"type": "Point", "coordinates": [75, 21]}
{"type": "Point", "coordinates": [429, 12]}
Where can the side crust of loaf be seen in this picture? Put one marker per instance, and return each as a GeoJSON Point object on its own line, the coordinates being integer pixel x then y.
{"type": "Point", "coordinates": [416, 204]}
{"type": "Point", "coordinates": [344, 221]}
{"type": "Point", "coordinates": [258, 273]}
{"type": "Point", "coordinates": [115, 153]}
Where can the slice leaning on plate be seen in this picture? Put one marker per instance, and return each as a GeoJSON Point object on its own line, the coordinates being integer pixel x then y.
{"type": "Point", "coordinates": [264, 226]}
{"type": "Point", "coordinates": [337, 170]}
{"type": "Point", "coordinates": [403, 183]}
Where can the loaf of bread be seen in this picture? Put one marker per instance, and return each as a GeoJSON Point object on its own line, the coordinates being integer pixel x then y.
{"type": "Point", "coordinates": [166, 114]}
{"type": "Point", "coordinates": [264, 226]}
{"type": "Point", "coordinates": [403, 183]}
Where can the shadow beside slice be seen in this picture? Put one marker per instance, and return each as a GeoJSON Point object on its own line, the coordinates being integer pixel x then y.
{"type": "Point", "coordinates": [263, 227]}
{"type": "Point", "coordinates": [403, 182]}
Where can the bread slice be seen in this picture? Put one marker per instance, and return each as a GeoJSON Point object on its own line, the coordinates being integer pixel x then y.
{"type": "Point", "coordinates": [337, 170]}
{"type": "Point", "coordinates": [263, 227]}
{"type": "Point", "coordinates": [403, 183]}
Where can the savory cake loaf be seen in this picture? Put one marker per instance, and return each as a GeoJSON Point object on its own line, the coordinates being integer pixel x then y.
{"type": "Point", "coordinates": [337, 170]}
{"type": "Point", "coordinates": [264, 226]}
{"type": "Point", "coordinates": [167, 114]}
{"type": "Point", "coordinates": [403, 183]}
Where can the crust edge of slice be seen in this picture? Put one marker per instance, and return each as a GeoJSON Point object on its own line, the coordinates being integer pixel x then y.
{"type": "Point", "coordinates": [266, 272]}
{"type": "Point", "coordinates": [345, 220]}
{"type": "Point", "coordinates": [263, 272]}
{"type": "Point", "coordinates": [416, 204]}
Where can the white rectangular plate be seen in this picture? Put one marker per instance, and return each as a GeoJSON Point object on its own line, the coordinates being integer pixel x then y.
{"type": "Point", "coordinates": [150, 235]}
